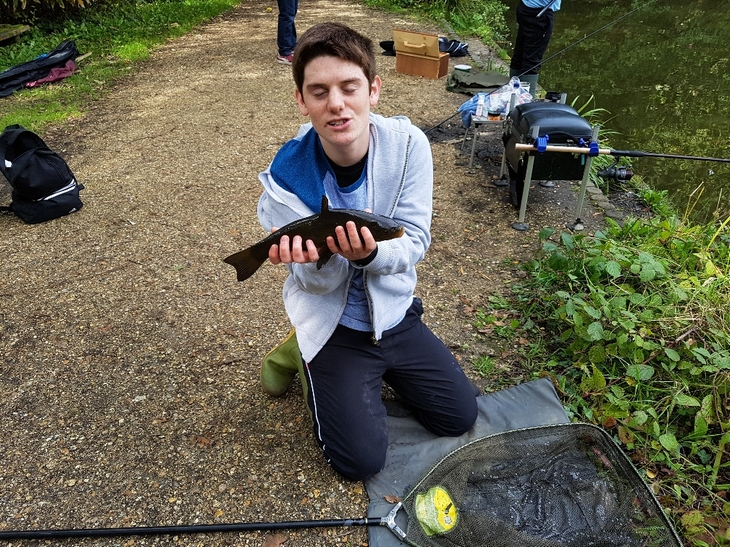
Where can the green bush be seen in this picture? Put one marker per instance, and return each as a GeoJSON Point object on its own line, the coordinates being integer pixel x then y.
{"type": "Point", "coordinates": [46, 12]}
{"type": "Point", "coordinates": [29, 11]}
{"type": "Point", "coordinates": [482, 18]}
{"type": "Point", "coordinates": [640, 344]}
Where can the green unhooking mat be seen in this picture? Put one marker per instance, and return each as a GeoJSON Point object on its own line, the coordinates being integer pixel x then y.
{"type": "Point", "coordinates": [475, 81]}
{"type": "Point", "coordinates": [522, 477]}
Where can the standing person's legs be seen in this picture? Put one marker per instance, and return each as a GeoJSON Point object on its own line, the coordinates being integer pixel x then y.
{"type": "Point", "coordinates": [515, 63]}
{"type": "Point", "coordinates": [533, 38]}
{"type": "Point", "coordinates": [286, 35]}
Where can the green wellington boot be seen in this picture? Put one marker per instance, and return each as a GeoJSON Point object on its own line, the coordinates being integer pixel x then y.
{"type": "Point", "coordinates": [280, 366]}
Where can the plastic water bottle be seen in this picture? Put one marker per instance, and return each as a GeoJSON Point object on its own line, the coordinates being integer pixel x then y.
{"type": "Point", "coordinates": [516, 90]}
{"type": "Point", "coordinates": [481, 108]}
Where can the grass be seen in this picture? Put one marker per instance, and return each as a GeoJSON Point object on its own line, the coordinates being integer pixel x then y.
{"type": "Point", "coordinates": [481, 18]}
{"type": "Point", "coordinates": [632, 324]}
{"type": "Point", "coordinates": [115, 39]}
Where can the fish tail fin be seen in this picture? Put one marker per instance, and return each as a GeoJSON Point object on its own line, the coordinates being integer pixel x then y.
{"type": "Point", "coordinates": [247, 261]}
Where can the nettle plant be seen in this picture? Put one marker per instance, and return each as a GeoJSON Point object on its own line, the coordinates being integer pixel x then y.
{"type": "Point", "coordinates": [642, 339]}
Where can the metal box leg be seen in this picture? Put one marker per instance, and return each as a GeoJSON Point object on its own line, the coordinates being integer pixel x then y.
{"type": "Point", "coordinates": [521, 225]}
{"type": "Point", "coordinates": [578, 224]}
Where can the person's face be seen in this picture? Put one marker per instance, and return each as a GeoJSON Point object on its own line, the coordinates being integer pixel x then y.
{"type": "Point", "coordinates": [337, 98]}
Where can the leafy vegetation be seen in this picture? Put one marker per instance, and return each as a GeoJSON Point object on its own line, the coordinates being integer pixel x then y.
{"type": "Point", "coordinates": [632, 325]}
{"type": "Point", "coordinates": [22, 10]}
{"type": "Point", "coordinates": [114, 37]}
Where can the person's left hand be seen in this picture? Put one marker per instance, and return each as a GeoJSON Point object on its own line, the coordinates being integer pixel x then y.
{"type": "Point", "coordinates": [348, 243]}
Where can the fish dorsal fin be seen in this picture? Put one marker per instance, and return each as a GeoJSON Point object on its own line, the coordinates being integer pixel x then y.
{"type": "Point", "coordinates": [325, 205]}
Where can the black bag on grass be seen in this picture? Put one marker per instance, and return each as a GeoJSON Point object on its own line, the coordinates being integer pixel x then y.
{"type": "Point", "coordinates": [43, 185]}
{"type": "Point", "coordinates": [15, 78]}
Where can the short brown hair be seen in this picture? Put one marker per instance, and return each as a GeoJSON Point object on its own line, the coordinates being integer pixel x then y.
{"type": "Point", "coordinates": [336, 40]}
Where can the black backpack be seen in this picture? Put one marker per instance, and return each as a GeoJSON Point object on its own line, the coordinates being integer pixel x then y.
{"type": "Point", "coordinates": [44, 187]}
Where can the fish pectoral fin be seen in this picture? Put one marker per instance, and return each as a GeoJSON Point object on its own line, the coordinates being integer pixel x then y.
{"type": "Point", "coordinates": [324, 256]}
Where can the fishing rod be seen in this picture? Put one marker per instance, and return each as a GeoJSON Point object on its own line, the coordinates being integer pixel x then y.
{"type": "Point", "coordinates": [612, 152]}
{"type": "Point", "coordinates": [388, 521]}
{"type": "Point", "coordinates": [604, 27]}
{"type": "Point", "coordinates": [543, 10]}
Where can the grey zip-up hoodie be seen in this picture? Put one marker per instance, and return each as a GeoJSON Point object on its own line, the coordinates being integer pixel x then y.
{"type": "Point", "coordinates": [399, 185]}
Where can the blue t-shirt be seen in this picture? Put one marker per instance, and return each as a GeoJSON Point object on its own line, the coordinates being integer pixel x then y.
{"type": "Point", "coordinates": [357, 311]}
{"type": "Point", "coordinates": [542, 4]}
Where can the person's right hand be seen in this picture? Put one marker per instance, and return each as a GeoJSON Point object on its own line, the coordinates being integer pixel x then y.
{"type": "Point", "coordinates": [290, 250]}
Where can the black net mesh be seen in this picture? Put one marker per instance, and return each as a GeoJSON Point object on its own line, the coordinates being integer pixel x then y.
{"type": "Point", "coordinates": [554, 486]}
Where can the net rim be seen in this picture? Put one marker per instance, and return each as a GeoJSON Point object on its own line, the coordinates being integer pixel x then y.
{"type": "Point", "coordinates": [616, 450]}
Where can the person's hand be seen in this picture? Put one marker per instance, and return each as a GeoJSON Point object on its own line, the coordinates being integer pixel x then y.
{"type": "Point", "coordinates": [349, 244]}
{"type": "Point", "coordinates": [293, 249]}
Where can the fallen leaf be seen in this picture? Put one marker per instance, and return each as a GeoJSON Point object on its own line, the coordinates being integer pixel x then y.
{"type": "Point", "coordinates": [392, 499]}
{"type": "Point", "coordinates": [608, 422]}
{"type": "Point", "coordinates": [201, 441]}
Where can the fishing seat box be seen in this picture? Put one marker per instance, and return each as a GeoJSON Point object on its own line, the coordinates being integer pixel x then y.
{"type": "Point", "coordinates": [563, 126]}
{"type": "Point", "coordinates": [418, 54]}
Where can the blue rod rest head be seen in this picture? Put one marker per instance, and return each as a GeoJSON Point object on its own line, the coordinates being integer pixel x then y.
{"type": "Point", "coordinates": [542, 143]}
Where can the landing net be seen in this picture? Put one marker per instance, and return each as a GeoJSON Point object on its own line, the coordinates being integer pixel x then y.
{"type": "Point", "coordinates": [565, 485]}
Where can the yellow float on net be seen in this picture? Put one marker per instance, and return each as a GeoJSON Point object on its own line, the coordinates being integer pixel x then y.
{"type": "Point", "coordinates": [435, 511]}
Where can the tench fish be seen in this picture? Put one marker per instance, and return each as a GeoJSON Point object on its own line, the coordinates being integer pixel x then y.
{"type": "Point", "coordinates": [317, 228]}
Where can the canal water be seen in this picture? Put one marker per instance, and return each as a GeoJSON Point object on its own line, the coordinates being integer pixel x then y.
{"type": "Point", "coordinates": [662, 71]}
